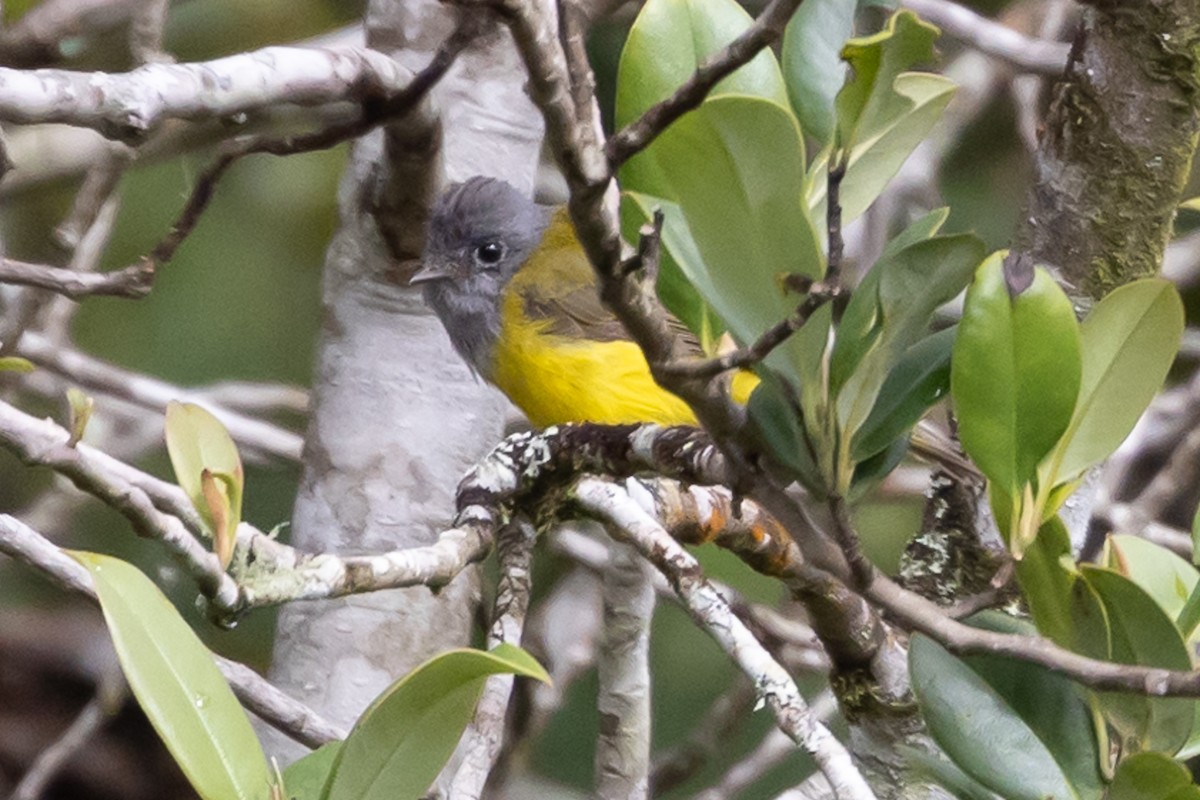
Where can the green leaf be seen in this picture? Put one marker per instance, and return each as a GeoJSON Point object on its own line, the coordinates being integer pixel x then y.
{"type": "Point", "coordinates": [80, 405]}
{"type": "Point", "coordinates": [1051, 587]}
{"type": "Point", "coordinates": [668, 40]}
{"type": "Point", "coordinates": [877, 157]}
{"type": "Point", "coordinates": [861, 321]}
{"type": "Point", "coordinates": [919, 379]}
{"type": "Point", "coordinates": [736, 163]}
{"type": "Point", "coordinates": [776, 426]}
{"type": "Point", "coordinates": [1128, 342]}
{"type": "Point", "coordinates": [1163, 575]}
{"type": "Point", "coordinates": [1141, 633]}
{"type": "Point", "coordinates": [401, 742]}
{"type": "Point", "coordinates": [16, 364]}
{"type": "Point", "coordinates": [679, 248]}
{"type": "Point", "coordinates": [1015, 374]}
{"type": "Point", "coordinates": [305, 779]}
{"type": "Point", "coordinates": [1054, 707]}
{"type": "Point", "coordinates": [197, 443]}
{"type": "Point", "coordinates": [945, 772]}
{"type": "Point", "coordinates": [1151, 776]}
{"type": "Point", "coordinates": [870, 472]}
{"type": "Point", "coordinates": [178, 685]}
{"type": "Point", "coordinates": [869, 100]}
{"type": "Point", "coordinates": [911, 286]}
{"type": "Point", "coordinates": [980, 730]}
{"type": "Point", "coordinates": [812, 63]}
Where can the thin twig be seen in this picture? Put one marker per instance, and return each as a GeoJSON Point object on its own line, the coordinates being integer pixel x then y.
{"type": "Point", "coordinates": [146, 32]}
{"type": "Point", "coordinates": [291, 717]}
{"type": "Point", "coordinates": [132, 281]}
{"type": "Point", "coordinates": [98, 711]}
{"type": "Point", "coordinates": [818, 295]}
{"type": "Point", "coordinates": [484, 739]}
{"type": "Point", "coordinates": [636, 136]}
{"type": "Point", "coordinates": [990, 37]}
{"type": "Point", "coordinates": [375, 112]}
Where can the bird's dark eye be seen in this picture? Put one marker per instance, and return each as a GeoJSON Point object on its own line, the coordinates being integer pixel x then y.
{"type": "Point", "coordinates": [489, 253]}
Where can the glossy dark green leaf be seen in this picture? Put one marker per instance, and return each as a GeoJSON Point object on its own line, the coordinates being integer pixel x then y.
{"type": "Point", "coordinates": [912, 285]}
{"type": "Point", "coordinates": [177, 684]}
{"type": "Point", "coordinates": [1141, 633]}
{"type": "Point", "coordinates": [980, 730]}
{"type": "Point", "coordinates": [674, 288]}
{"type": "Point", "coordinates": [401, 742]}
{"type": "Point", "coordinates": [870, 472]}
{"type": "Point", "coordinates": [812, 61]}
{"type": "Point", "coordinates": [776, 426]}
{"type": "Point", "coordinates": [1055, 708]}
{"type": "Point", "coordinates": [1015, 374]}
{"type": "Point", "coordinates": [919, 379]}
{"type": "Point", "coordinates": [1129, 342]}
{"type": "Point", "coordinates": [667, 42]}
{"type": "Point", "coordinates": [305, 778]}
{"type": "Point", "coordinates": [1152, 776]}
{"type": "Point", "coordinates": [860, 323]}
{"type": "Point", "coordinates": [1052, 589]}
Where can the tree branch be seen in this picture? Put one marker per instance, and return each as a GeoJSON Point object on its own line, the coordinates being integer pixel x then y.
{"type": "Point", "coordinates": [613, 504]}
{"type": "Point", "coordinates": [992, 38]}
{"type": "Point", "coordinates": [292, 718]}
{"type": "Point", "coordinates": [133, 281]}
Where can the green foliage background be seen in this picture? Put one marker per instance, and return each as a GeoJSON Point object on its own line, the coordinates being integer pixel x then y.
{"type": "Point", "coordinates": [241, 301]}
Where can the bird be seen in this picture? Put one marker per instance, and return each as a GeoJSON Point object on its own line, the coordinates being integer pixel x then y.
{"type": "Point", "coordinates": [515, 292]}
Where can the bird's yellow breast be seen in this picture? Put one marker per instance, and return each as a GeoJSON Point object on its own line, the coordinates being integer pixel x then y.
{"type": "Point", "coordinates": [556, 379]}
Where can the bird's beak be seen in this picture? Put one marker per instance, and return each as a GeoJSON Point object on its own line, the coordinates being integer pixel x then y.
{"type": "Point", "coordinates": [435, 271]}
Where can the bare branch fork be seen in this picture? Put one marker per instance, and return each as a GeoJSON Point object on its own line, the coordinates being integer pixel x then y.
{"type": "Point", "coordinates": [379, 106]}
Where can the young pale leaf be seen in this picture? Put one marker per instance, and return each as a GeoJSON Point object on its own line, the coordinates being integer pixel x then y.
{"type": "Point", "coordinates": [16, 364]}
{"type": "Point", "coordinates": [978, 728]}
{"type": "Point", "coordinates": [305, 778]}
{"type": "Point", "coordinates": [679, 261]}
{"type": "Point", "coordinates": [1163, 575]}
{"type": "Point", "coordinates": [403, 739]}
{"type": "Point", "coordinates": [1015, 374]}
{"type": "Point", "coordinates": [1152, 776]}
{"type": "Point", "coordinates": [737, 165]}
{"type": "Point", "coordinates": [869, 99]}
{"type": "Point", "coordinates": [1141, 633]}
{"type": "Point", "coordinates": [80, 405]}
{"type": "Point", "coordinates": [198, 442]}
{"type": "Point", "coordinates": [919, 379]}
{"type": "Point", "coordinates": [178, 686]}
{"type": "Point", "coordinates": [668, 40]}
{"type": "Point", "coordinates": [875, 160]}
{"type": "Point", "coordinates": [812, 63]}
{"type": "Point", "coordinates": [1129, 342]}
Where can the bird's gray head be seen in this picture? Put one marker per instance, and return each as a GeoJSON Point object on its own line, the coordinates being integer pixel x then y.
{"type": "Point", "coordinates": [480, 232]}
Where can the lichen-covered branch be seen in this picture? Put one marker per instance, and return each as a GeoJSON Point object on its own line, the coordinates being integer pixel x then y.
{"type": "Point", "coordinates": [1117, 145]}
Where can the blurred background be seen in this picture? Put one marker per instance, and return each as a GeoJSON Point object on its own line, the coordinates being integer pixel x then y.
{"type": "Point", "coordinates": [239, 302]}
